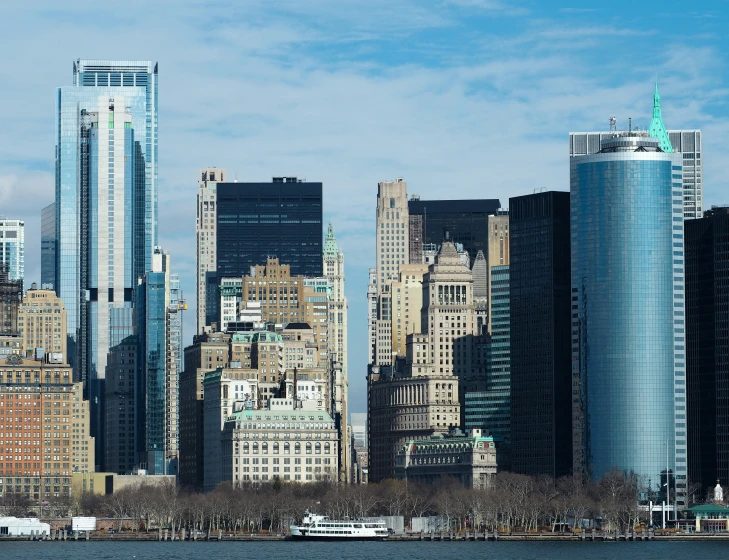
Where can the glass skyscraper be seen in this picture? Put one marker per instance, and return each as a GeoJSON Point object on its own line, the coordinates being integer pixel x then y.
{"type": "Point", "coordinates": [152, 329]}
{"type": "Point", "coordinates": [105, 210]}
{"type": "Point", "coordinates": [106, 202]}
{"type": "Point", "coordinates": [12, 247]}
{"type": "Point", "coordinates": [629, 364]}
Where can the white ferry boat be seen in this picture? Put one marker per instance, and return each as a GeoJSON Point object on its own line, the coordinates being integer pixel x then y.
{"type": "Point", "coordinates": [321, 528]}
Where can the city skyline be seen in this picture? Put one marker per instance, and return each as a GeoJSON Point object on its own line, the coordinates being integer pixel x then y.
{"type": "Point", "coordinates": [444, 149]}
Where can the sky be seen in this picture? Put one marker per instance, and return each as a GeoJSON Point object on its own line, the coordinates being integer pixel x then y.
{"type": "Point", "coordinates": [461, 98]}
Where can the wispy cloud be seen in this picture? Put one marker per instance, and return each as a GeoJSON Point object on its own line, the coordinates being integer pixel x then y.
{"type": "Point", "coordinates": [461, 98]}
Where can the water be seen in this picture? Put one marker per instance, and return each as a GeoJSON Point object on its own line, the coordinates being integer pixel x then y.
{"type": "Point", "coordinates": [364, 550]}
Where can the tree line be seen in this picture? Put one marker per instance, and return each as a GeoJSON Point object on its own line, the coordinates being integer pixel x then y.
{"type": "Point", "coordinates": [513, 502]}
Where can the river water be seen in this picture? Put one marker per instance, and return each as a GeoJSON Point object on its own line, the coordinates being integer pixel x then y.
{"type": "Point", "coordinates": [273, 550]}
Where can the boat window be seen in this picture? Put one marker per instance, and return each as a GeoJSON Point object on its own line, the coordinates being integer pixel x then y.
{"type": "Point", "coordinates": [357, 526]}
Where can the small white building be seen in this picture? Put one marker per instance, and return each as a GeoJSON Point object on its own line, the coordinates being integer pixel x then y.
{"type": "Point", "coordinates": [22, 526]}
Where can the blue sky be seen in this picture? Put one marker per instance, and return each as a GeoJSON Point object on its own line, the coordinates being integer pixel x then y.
{"type": "Point", "coordinates": [462, 98]}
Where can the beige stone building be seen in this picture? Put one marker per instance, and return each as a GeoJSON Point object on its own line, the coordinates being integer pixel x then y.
{"type": "Point", "coordinates": [205, 226]}
{"type": "Point", "coordinates": [296, 445]}
{"type": "Point", "coordinates": [45, 426]}
{"type": "Point", "coordinates": [286, 299]}
{"type": "Point", "coordinates": [419, 397]}
{"type": "Point", "coordinates": [42, 322]}
{"type": "Point", "coordinates": [407, 301]}
{"type": "Point", "coordinates": [448, 313]}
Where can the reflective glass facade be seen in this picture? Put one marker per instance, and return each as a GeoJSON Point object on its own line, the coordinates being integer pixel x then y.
{"type": "Point", "coordinates": [123, 178]}
{"type": "Point", "coordinates": [152, 328]}
{"type": "Point", "coordinates": [541, 344]}
{"type": "Point", "coordinates": [628, 310]}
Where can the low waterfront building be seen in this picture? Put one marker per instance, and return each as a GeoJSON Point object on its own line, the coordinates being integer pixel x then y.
{"type": "Point", "coordinates": [471, 458]}
{"type": "Point", "coordinates": [711, 518]}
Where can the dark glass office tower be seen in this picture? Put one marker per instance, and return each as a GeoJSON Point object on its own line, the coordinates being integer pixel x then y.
{"type": "Point", "coordinates": [281, 219]}
{"type": "Point", "coordinates": [466, 221]}
{"type": "Point", "coordinates": [541, 349]}
{"type": "Point", "coordinates": [707, 345]}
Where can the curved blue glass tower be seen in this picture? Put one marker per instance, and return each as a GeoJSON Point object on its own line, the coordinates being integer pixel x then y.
{"type": "Point", "coordinates": [628, 310]}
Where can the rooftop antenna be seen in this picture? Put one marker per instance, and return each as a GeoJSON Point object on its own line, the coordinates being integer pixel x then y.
{"type": "Point", "coordinates": [613, 123]}
{"type": "Point", "coordinates": [630, 124]}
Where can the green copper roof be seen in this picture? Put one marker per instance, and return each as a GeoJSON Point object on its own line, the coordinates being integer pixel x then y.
{"type": "Point", "coordinates": [330, 244]}
{"type": "Point", "coordinates": [709, 508]}
{"type": "Point", "coordinates": [657, 129]}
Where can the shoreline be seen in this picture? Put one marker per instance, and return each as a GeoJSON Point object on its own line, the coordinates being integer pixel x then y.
{"type": "Point", "coordinates": [155, 537]}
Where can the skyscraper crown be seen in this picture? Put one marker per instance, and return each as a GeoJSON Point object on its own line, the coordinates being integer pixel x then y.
{"type": "Point", "coordinates": [657, 129]}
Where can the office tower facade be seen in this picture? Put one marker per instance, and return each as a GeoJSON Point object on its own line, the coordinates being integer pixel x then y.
{"type": "Point", "coordinates": [707, 344]}
{"type": "Point", "coordinates": [628, 311]}
{"type": "Point", "coordinates": [486, 393]}
{"type": "Point", "coordinates": [541, 345]}
{"type": "Point", "coordinates": [12, 247]}
{"type": "Point", "coordinates": [106, 201]}
{"type": "Point", "coordinates": [466, 221]}
{"type": "Point", "coordinates": [42, 324]}
{"type": "Point", "coordinates": [686, 142]}
{"type": "Point", "coordinates": [48, 246]}
{"type": "Point", "coordinates": [254, 221]}
{"type": "Point", "coordinates": [122, 437]}
{"type": "Point", "coordinates": [498, 356]}
{"type": "Point", "coordinates": [206, 229]}
{"type": "Point", "coordinates": [54, 433]}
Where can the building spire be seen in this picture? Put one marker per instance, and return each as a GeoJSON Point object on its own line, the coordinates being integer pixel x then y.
{"type": "Point", "coordinates": [330, 244]}
{"type": "Point", "coordinates": [657, 129]}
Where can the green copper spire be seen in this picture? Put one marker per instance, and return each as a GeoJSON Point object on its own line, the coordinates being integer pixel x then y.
{"type": "Point", "coordinates": [330, 244]}
{"type": "Point", "coordinates": [657, 129]}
